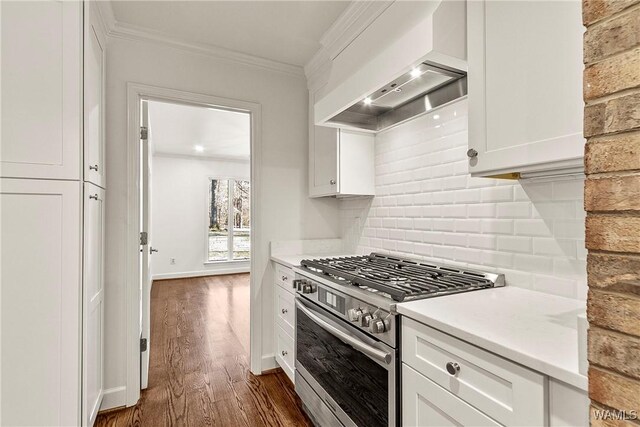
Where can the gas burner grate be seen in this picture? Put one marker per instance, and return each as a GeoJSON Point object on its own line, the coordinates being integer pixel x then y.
{"type": "Point", "coordinates": [401, 279]}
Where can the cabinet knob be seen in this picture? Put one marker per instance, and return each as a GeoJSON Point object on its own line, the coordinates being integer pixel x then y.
{"type": "Point", "coordinates": [332, 181]}
{"type": "Point", "coordinates": [284, 311]}
{"type": "Point", "coordinates": [453, 368]}
{"type": "Point", "coordinates": [93, 168]}
{"type": "Point", "coordinates": [284, 278]}
{"type": "Point", "coordinates": [284, 353]}
{"type": "Point", "coordinates": [471, 153]}
{"type": "Point", "coordinates": [93, 196]}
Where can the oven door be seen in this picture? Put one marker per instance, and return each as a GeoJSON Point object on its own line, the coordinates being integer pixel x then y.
{"type": "Point", "coordinates": [353, 374]}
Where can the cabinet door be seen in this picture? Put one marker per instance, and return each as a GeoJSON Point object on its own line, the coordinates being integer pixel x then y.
{"type": "Point", "coordinates": [41, 89]}
{"type": "Point", "coordinates": [93, 301]}
{"type": "Point", "coordinates": [41, 307]}
{"type": "Point", "coordinates": [356, 164]}
{"type": "Point", "coordinates": [525, 85]}
{"type": "Point", "coordinates": [425, 404]}
{"type": "Point", "coordinates": [94, 149]}
{"type": "Point", "coordinates": [323, 158]}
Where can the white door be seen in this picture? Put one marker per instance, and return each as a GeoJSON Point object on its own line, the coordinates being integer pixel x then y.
{"type": "Point", "coordinates": [41, 89]}
{"type": "Point", "coordinates": [146, 249]}
{"type": "Point", "coordinates": [94, 149]}
{"type": "Point", "coordinates": [41, 302]}
{"type": "Point", "coordinates": [93, 304]}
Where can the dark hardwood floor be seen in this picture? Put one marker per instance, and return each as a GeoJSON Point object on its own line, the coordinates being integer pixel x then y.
{"type": "Point", "coordinates": [199, 364]}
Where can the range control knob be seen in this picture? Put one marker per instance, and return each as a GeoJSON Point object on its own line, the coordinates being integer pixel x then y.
{"type": "Point", "coordinates": [354, 314]}
{"type": "Point", "coordinates": [299, 284]}
{"type": "Point", "coordinates": [308, 288]}
{"type": "Point", "coordinates": [376, 326]}
{"type": "Point", "coordinates": [365, 319]}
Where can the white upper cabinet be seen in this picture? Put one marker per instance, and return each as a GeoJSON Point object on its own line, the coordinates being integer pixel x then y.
{"type": "Point", "coordinates": [94, 149]}
{"type": "Point", "coordinates": [341, 163]}
{"type": "Point", "coordinates": [525, 87]}
{"type": "Point", "coordinates": [41, 89]}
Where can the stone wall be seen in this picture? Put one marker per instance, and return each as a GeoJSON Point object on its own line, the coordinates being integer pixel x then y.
{"type": "Point", "coordinates": [612, 202]}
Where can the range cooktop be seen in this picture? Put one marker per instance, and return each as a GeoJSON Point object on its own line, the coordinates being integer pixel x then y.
{"type": "Point", "coordinates": [401, 279]}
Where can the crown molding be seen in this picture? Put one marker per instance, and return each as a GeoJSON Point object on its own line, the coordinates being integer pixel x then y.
{"type": "Point", "coordinates": [105, 12]}
{"type": "Point", "coordinates": [115, 29]}
{"type": "Point", "coordinates": [353, 21]}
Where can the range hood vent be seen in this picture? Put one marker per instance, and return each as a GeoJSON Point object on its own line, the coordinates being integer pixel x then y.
{"type": "Point", "coordinates": [424, 89]}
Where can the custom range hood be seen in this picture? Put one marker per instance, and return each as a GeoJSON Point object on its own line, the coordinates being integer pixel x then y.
{"type": "Point", "coordinates": [423, 89]}
{"type": "Point", "coordinates": [411, 60]}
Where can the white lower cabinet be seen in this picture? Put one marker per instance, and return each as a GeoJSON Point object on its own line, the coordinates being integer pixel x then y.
{"type": "Point", "coordinates": [449, 382]}
{"type": "Point", "coordinates": [284, 322]}
{"type": "Point", "coordinates": [93, 302]}
{"type": "Point", "coordinates": [503, 390]}
{"type": "Point", "coordinates": [41, 302]}
{"type": "Point", "coordinates": [424, 403]}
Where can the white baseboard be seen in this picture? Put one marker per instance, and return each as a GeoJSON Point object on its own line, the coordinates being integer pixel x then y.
{"type": "Point", "coordinates": [114, 398]}
{"type": "Point", "coordinates": [216, 272]}
{"type": "Point", "coordinates": [268, 362]}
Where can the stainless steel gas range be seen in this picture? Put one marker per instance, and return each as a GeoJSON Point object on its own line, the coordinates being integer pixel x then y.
{"type": "Point", "coordinates": [347, 331]}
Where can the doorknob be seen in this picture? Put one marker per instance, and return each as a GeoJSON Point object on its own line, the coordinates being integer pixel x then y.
{"type": "Point", "coordinates": [151, 250]}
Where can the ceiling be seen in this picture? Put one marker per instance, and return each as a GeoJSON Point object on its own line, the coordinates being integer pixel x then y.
{"type": "Point", "coordinates": [283, 31]}
{"type": "Point", "coordinates": [199, 131]}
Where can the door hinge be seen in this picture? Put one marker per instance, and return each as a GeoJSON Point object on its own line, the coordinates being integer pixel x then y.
{"type": "Point", "coordinates": [143, 345]}
{"type": "Point", "coordinates": [144, 238]}
{"type": "Point", "coordinates": [144, 132]}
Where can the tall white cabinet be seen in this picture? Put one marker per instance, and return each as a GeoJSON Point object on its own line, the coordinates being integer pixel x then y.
{"type": "Point", "coordinates": [52, 207]}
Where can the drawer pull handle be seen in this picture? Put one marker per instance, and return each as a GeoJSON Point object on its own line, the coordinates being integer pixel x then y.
{"type": "Point", "coordinates": [284, 353]}
{"type": "Point", "coordinates": [284, 278]}
{"type": "Point", "coordinates": [285, 311]}
{"type": "Point", "coordinates": [453, 368]}
{"type": "Point", "coordinates": [93, 168]}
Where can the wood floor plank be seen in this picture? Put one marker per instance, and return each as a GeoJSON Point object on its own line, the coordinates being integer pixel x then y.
{"type": "Point", "coordinates": [199, 364]}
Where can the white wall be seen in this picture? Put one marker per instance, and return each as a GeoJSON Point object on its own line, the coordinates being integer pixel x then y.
{"type": "Point", "coordinates": [428, 206]}
{"type": "Point", "coordinates": [287, 213]}
{"type": "Point", "coordinates": [179, 190]}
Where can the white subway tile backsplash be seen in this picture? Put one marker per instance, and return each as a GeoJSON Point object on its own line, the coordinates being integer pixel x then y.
{"type": "Point", "coordinates": [428, 206]}
{"type": "Point", "coordinates": [514, 244]}
{"type": "Point", "coordinates": [533, 227]}
{"type": "Point", "coordinates": [514, 210]}
{"type": "Point", "coordinates": [497, 194]}
{"type": "Point", "coordinates": [482, 210]}
{"type": "Point", "coordinates": [497, 226]}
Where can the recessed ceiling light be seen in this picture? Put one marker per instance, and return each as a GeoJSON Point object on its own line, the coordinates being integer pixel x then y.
{"type": "Point", "coordinates": [416, 73]}
{"type": "Point", "coordinates": [436, 116]}
{"type": "Point", "coordinates": [367, 101]}
{"type": "Point", "coordinates": [198, 148]}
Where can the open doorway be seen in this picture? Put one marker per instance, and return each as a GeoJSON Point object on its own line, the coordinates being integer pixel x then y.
{"type": "Point", "coordinates": [195, 204]}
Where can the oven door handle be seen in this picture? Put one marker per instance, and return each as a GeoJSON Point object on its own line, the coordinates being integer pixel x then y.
{"type": "Point", "coordinates": [370, 351]}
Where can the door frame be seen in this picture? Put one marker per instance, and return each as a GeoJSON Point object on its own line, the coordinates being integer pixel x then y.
{"type": "Point", "coordinates": [135, 93]}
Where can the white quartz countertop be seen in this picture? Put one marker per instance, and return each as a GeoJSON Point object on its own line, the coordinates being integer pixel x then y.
{"type": "Point", "coordinates": [295, 259]}
{"type": "Point", "coordinates": [534, 329]}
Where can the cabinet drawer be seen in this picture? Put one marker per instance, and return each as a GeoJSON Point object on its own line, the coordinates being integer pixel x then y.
{"type": "Point", "coordinates": [285, 310]}
{"type": "Point", "coordinates": [284, 277]}
{"type": "Point", "coordinates": [424, 403]}
{"type": "Point", "coordinates": [505, 391]}
{"type": "Point", "coordinates": [284, 352]}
